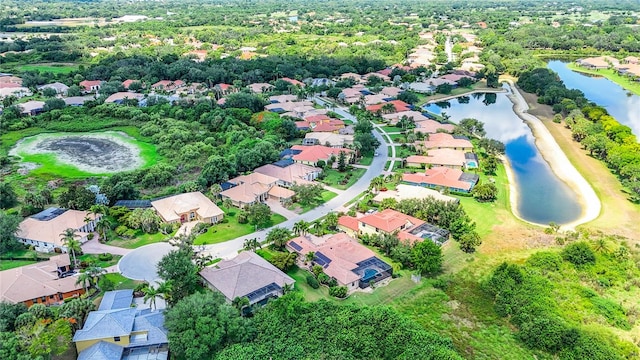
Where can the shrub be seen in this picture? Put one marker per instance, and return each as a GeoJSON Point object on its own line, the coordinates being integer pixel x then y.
{"type": "Point", "coordinates": [106, 284]}
{"type": "Point", "coordinates": [91, 236]}
{"type": "Point", "coordinates": [105, 257]}
{"type": "Point", "coordinates": [545, 260]}
{"type": "Point", "coordinates": [242, 218]}
{"type": "Point", "coordinates": [323, 278]}
{"type": "Point", "coordinates": [579, 254]}
{"type": "Point", "coordinates": [311, 280]}
{"type": "Point", "coordinates": [338, 291]}
{"type": "Point", "coordinates": [120, 230]}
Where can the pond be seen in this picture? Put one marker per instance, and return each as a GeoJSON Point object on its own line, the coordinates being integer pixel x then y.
{"type": "Point", "coordinates": [542, 197]}
{"type": "Point", "coordinates": [77, 154]}
{"type": "Point", "coordinates": [621, 104]}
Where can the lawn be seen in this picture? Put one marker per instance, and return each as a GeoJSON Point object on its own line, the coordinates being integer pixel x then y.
{"type": "Point", "coordinates": [626, 82]}
{"type": "Point", "coordinates": [122, 282]}
{"type": "Point", "coordinates": [366, 160]}
{"type": "Point", "coordinates": [301, 209]}
{"type": "Point", "coordinates": [335, 179]}
{"type": "Point", "coordinates": [10, 264]}
{"type": "Point", "coordinates": [52, 68]}
{"type": "Point", "coordinates": [141, 239]}
{"type": "Point", "coordinates": [403, 152]}
{"type": "Point", "coordinates": [232, 229]}
{"type": "Point", "coordinates": [391, 129]}
{"type": "Point", "coordinates": [397, 137]}
{"type": "Point", "coordinates": [94, 260]}
{"type": "Point", "coordinates": [310, 294]}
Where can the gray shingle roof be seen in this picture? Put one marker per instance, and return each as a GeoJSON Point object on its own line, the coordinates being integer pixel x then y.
{"type": "Point", "coordinates": [119, 299]}
{"type": "Point", "coordinates": [153, 323]}
{"type": "Point", "coordinates": [101, 350]}
{"type": "Point", "coordinates": [107, 323]}
{"type": "Point", "coordinates": [243, 274]}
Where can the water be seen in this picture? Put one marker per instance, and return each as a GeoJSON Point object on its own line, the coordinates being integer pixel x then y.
{"type": "Point", "coordinates": [543, 198]}
{"type": "Point", "coordinates": [620, 103]}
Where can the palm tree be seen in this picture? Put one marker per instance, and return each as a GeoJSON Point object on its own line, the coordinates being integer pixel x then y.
{"type": "Point", "coordinates": [310, 256]}
{"type": "Point", "coordinates": [377, 183]}
{"type": "Point", "coordinates": [103, 227]}
{"type": "Point", "coordinates": [251, 244]}
{"type": "Point", "coordinates": [240, 302]}
{"type": "Point", "coordinates": [150, 294]}
{"type": "Point", "coordinates": [318, 227]}
{"type": "Point", "coordinates": [287, 288]}
{"type": "Point", "coordinates": [165, 288]}
{"type": "Point", "coordinates": [84, 279]}
{"type": "Point", "coordinates": [601, 246]}
{"type": "Point", "coordinates": [301, 227]}
{"type": "Point", "coordinates": [215, 190]}
{"type": "Point", "coordinates": [69, 239]}
{"type": "Point", "coordinates": [94, 273]}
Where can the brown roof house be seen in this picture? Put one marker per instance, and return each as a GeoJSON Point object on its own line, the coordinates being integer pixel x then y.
{"type": "Point", "coordinates": [310, 155]}
{"type": "Point", "coordinates": [432, 127]}
{"type": "Point", "coordinates": [193, 206]}
{"type": "Point", "coordinates": [255, 187]}
{"type": "Point", "coordinates": [445, 141]}
{"type": "Point", "coordinates": [43, 229]}
{"type": "Point", "coordinates": [442, 177]}
{"type": "Point", "coordinates": [90, 85]}
{"type": "Point", "coordinates": [289, 174]}
{"type": "Point", "coordinates": [40, 283]}
{"type": "Point", "coordinates": [454, 159]}
{"type": "Point", "coordinates": [246, 275]}
{"type": "Point", "coordinates": [344, 259]}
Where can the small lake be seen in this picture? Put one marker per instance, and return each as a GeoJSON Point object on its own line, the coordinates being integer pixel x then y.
{"type": "Point", "coordinates": [543, 198]}
{"type": "Point", "coordinates": [620, 103]}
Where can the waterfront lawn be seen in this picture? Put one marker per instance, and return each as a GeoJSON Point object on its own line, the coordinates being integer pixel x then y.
{"type": "Point", "coordinates": [626, 82]}
{"type": "Point", "coordinates": [140, 239]}
{"type": "Point", "coordinates": [480, 85]}
{"type": "Point", "coordinates": [342, 181]}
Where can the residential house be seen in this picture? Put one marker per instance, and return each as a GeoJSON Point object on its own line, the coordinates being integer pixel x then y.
{"type": "Point", "coordinates": [442, 177]}
{"type": "Point", "coordinates": [259, 88]}
{"type": "Point", "coordinates": [10, 79]}
{"type": "Point", "coordinates": [192, 206]}
{"type": "Point", "coordinates": [278, 99]}
{"type": "Point", "coordinates": [445, 141]}
{"type": "Point", "coordinates": [197, 55]}
{"type": "Point", "coordinates": [289, 173]}
{"type": "Point", "coordinates": [398, 106]}
{"type": "Point", "coordinates": [78, 100]}
{"type": "Point", "coordinates": [293, 82]}
{"type": "Point", "coordinates": [31, 107]}
{"type": "Point", "coordinates": [455, 77]}
{"type": "Point", "coordinates": [296, 109]}
{"type": "Point", "coordinates": [253, 188]}
{"type": "Point", "coordinates": [90, 85]}
{"type": "Point", "coordinates": [391, 91]}
{"type": "Point", "coordinates": [395, 117]}
{"type": "Point", "coordinates": [328, 139]}
{"type": "Point", "coordinates": [342, 258]}
{"type": "Point", "coordinates": [328, 125]}
{"type": "Point", "coordinates": [17, 91]}
{"type": "Point", "coordinates": [168, 85]}
{"type": "Point", "coordinates": [310, 155]}
{"type": "Point", "coordinates": [122, 97]}
{"type": "Point", "coordinates": [598, 63]}
{"type": "Point", "coordinates": [119, 331]}
{"type": "Point", "coordinates": [429, 126]}
{"type": "Point", "coordinates": [60, 88]}
{"type": "Point", "coordinates": [320, 82]}
{"type": "Point", "coordinates": [45, 282]}
{"type": "Point", "coordinates": [246, 276]}
{"type": "Point", "coordinates": [404, 192]}
{"type": "Point", "coordinates": [353, 76]}
{"type": "Point", "coordinates": [43, 229]}
{"type": "Point", "coordinates": [382, 77]}
{"type": "Point", "coordinates": [453, 159]}
{"type": "Point", "coordinates": [128, 83]}
{"type": "Point", "coordinates": [631, 60]}
{"type": "Point", "coordinates": [376, 99]}
{"type": "Point", "coordinates": [391, 222]}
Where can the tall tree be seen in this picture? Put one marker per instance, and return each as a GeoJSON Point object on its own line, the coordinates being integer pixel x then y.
{"type": "Point", "coordinates": [70, 241]}
{"type": "Point", "coordinates": [178, 268]}
{"type": "Point", "coordinates": [7, 195]}
{"type": "Point", "coordinates": [301, 227]}
{"type": "Point", "coordinates": [9, 224]}
{"type": "Point", "coordinates": [278, 237]}
{"type": "Point", "coordinates": [426, 256]}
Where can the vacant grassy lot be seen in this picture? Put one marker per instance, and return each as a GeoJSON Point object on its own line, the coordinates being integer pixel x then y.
{"type": "Point", "coordinates": [334, 178]}
{"type": "Point", "coordinates": [51, 68]}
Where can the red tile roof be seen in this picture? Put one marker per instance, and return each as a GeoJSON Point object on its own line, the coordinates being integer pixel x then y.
{"type": "Point", "coordinates": [349, 222]}
{"type": "Point", "coordinates": [293, 81]}
{"type": "Point", "coordinates": [128, 83]}
{"type": "Point", "coordinates": [439, 176]}
{"type": "Point", "coordinates": [316, 118]}
{"type": "Point", "coordinates": [444, 140]}
{"type": "Point", "coordinates": [385, 72]}
{"type": "Point", "coordinates": [317, 152]}
{"type": "Point", "coordinates": [390, 220]}
{"type": "Point", "coordinates": [399, 106]}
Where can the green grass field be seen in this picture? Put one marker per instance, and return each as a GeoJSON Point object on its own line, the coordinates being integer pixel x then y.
{"type": "Point", "coordinates": [366, 160]}
{"type": "Point", "coordinates": [141, 239]}
{"type": "Point", "coordinates": [325, 196]}
{"type": "Point", "coordinates": [51, 68]}
{"type": "Point", "coordinates": [233, 229]}
{"type": "Point", "coordinates": [94, 260]}
{"type": "Point", "coordinates": [626, 82]}
{"type": "Point", "coordinates": [334, 178]}
{"type": "Point", "coordinates": [10, 264]}
{"type": "Point", "coordinates": [122, 282]}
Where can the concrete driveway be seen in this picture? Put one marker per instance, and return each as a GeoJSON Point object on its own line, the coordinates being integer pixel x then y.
{"type": "Point", "coordinates": [140, 264]}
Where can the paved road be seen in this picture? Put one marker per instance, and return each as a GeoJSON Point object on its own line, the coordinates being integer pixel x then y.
{"type": "Point", "coordinates": [140, 264]}
{"type": "Point", "coordinates": [448, 48]}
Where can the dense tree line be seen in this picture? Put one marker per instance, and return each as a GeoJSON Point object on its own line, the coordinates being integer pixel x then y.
{"type": "Point", "coordinates": [202, 326]}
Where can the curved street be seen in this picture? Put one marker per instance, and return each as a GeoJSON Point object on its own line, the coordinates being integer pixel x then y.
{"type": "Point", "coordinates": [140, 264]}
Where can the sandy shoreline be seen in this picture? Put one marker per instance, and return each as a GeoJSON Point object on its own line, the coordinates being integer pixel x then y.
{"type": "Point", "coordinates": [558, 162]}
